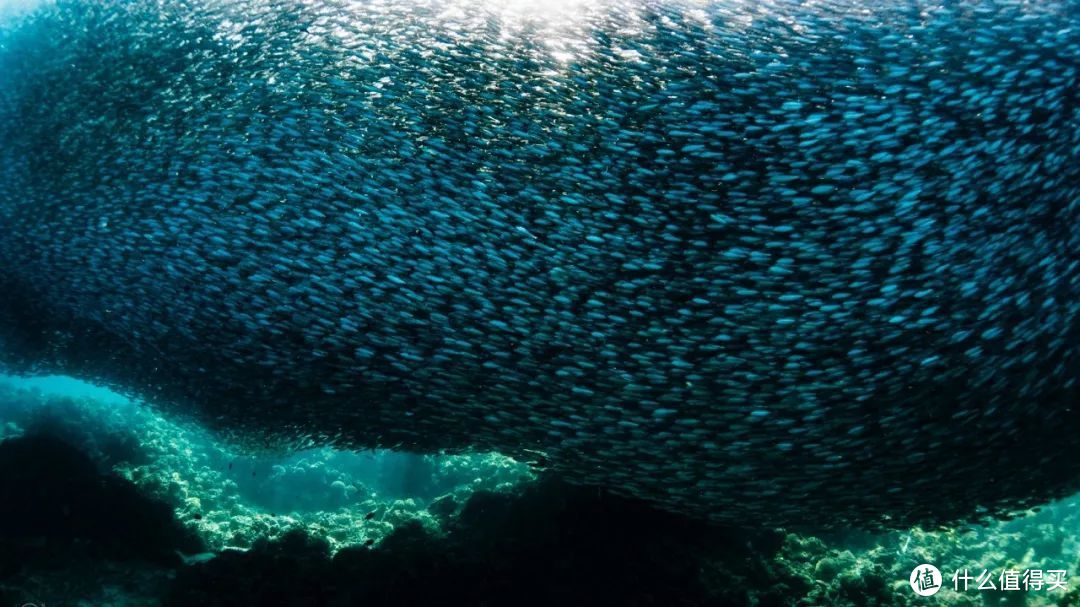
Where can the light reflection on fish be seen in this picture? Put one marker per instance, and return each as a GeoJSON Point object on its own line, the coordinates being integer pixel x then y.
{"type": "Point", "coordinates": [754, 261]}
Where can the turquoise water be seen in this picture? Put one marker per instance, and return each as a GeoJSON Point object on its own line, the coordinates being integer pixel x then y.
{"type": "Point", "coordinates": [65, 386]}
{"type": "Point", "coordinates": [539, 302]}
{"type": "Point", "coordinates": [234, 499]}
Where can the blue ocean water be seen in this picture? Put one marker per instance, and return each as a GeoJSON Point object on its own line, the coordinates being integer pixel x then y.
{"type": "Point", "coordinates": [391, 474]}
{"type": "Point", "coordinates": [235, 499]}
{"type": "Point", "coordinates": [65, 386]}
{"type": "Point", "coordinates": [556, 302]}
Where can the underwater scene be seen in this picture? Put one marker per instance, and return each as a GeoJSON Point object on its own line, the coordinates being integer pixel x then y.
{"type": "Point", "coordinates": [539, 302]}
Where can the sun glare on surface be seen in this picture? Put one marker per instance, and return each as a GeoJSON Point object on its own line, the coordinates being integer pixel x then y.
{"type": "Point", "coordinates": [553, 8]}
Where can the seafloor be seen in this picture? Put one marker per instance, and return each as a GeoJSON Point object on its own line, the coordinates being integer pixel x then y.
{"type": "Point", "coordinates": [107, 503]}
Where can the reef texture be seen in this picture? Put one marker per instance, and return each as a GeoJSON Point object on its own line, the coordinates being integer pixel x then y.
{"type": "Point", "coordinates": [494, 539]}
{"type": "Point", "coordinates": [754, 261]}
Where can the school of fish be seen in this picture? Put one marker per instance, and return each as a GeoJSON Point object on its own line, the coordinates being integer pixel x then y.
{"type": "Point", "coordinates": [768, 262]}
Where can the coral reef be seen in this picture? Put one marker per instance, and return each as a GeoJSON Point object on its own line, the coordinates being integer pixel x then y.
{"type": "Point", "coordinates": [126, 507]}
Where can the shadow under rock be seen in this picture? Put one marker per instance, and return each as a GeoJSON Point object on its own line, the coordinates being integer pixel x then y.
{"type": "Point", "coordinates": [58, 508]}
{"type": "Point", "coordinates": [552, 544]}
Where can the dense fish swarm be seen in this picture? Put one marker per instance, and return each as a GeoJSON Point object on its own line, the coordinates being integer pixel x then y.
{"type": "Point", "coordinates": [755, 261]}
